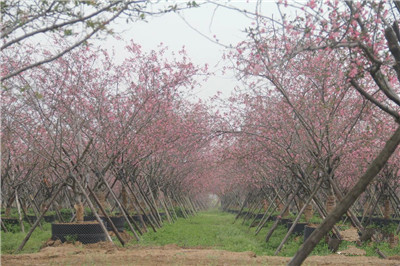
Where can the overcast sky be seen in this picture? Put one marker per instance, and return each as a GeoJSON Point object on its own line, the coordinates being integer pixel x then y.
{"type": "Point", "coordinates": [227, 25]}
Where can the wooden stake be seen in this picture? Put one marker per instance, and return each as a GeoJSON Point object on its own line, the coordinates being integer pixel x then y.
{"type": "Point", "coordinates": [278, 218]}
{"type": "Point", "coordinates": [92, 208]}
{"type": "Point", "coordinates": [39, 218]}
{"type": "Point", "coordinates": [115, 230]}
{"type": "Point", "coordinates": [298, 217]}
{"type": "Point", "coordinates": [122, 210]}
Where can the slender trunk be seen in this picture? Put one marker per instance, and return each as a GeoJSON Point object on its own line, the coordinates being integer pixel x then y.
{"type": "Point", "coordinates": [298, 217]}
{"type": "Point", "coordinates": [115, 230]}
{"type": "Point", "coordinates": [147, 204]}
{"type": "Point", "coordinates": [9, 205]}
{"type": "Point", "coordinates": [36, 209]}
{"type": "Point", "coordinates": [92, 208]}
{"type": "Point", "coordinates": [273, 207]}
{"type": "Point", "coordinates": [19, 212]}
{"type": "Point", "coordinates": [39, 218]}
{"type": "Point", "coordinates": [79, 210]}
{"type": "Point", "coordinates": [25, 213]}
{"type": "Point", "coordinates": [279, 217]}
{"type": "Point", "coordinates": [243, 205]}
{"type": "Point", "coordinates": [122, 210]}
{"type": "Point", "coordinates": [165, 207]}
{"type": "Point", "coordinates": [3, 226]}
{"type": "Point", "coordinates": [155, 208]}
{"type": "Point", "coordinates": [172, 207]}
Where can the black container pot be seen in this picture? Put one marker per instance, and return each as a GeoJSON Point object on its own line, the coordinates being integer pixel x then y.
{"type": "Point", "coordinates": [47, 218]}
{"type": "Point", "coordinates": [381, 221]}
{"type": "Point", "coordinates": [272, 218]}
{"type": "Point", "coordinates": [298, 228]}
{"type": "Point", "coordinates": [365, 219]}
{"type": "Point", "coordinates": [93, 218]}
{"type": "Point", "coordinates": [308, 231]}
{"type": "Point", "coordinates": [333, 243]}
{"type": "Point", "coordinates": [31, 218]}
{"type": "Point", "coordinates": [137, 217]}
{"type": "Point", "coordinates": [12, 221]}
{"type": "Point", "coordinates": [118, 221]}
{"type": "Point", "coordinates": [285, 221]}
{"type": "Point", "coordinates": [243, 213]}
{"type": "Point", "coordinates": [84, 233]}
{"type": "Point", "coordinates": [259, 216]}
{"type": "Point", "coordinates": [146, 217]}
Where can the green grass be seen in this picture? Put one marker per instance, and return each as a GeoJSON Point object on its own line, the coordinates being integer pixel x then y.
{"type": "Point", "coordinates": [214, 229]}
{"type": "Point", "coordinates": [11, 241]}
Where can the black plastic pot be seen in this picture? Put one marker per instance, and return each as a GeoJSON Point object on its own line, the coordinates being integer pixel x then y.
{"type": "Point", "coordinates": [47, 218]}
{"type": "Point", "coordinates": [84, 233]}
{"type": "Point", "coordinates": [31, 218]}
{"type": "Point", "coordinates": [285, 221]}
{"type": "Point", "coordinates": [298, 228]}
{"type": "Point", "coordinates": [93, 218]}
{"type": "Point", "coordinates": [259, 216]}
{"type": "Point", "coordinates": [333, 243]}
{"type": "Point", "coordinates": [380, 222]}
{"type": "Point", "coordinates": [146, 217]}
{"type": "Point", "coordinates": [12, 221]}
{"type": "Point", "coordinates": [118, 221]}
{"type": "Point", "coordinates": [308, 231]}
{"type": "Point", "coordinates": [136, 217]}
{"type": "Point", "coordinates": [365, 219]}
{"type": "Point", "coordinates": [244, 213]}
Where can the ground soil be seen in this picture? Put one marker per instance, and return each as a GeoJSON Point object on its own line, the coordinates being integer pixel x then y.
{"type": "Point", "coordinates": [106, 254]}
{"type": "Point", "coordinates": [350, 234]}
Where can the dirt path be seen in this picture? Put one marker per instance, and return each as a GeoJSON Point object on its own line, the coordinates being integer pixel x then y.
{"type": "Point", "coordinates": [105, 254]}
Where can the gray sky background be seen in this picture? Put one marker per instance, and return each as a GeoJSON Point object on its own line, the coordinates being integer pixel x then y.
{"type": "Point", "coordinates": [227, 25]}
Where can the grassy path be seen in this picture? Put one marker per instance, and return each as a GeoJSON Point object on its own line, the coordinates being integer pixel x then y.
{"type": "Point", "coordinates": [216, 230]}
{"type": "Point", "coordinates": [212, 230]}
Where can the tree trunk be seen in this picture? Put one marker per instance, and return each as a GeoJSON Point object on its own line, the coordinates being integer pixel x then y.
{"type": "Point", "coordinates": [79, 208]}
{"type": "Point", "coordinates": [341, 208]}
{"type": "Point", "coordinates": [387, 210]}
{"type": "Point", "coordinates": [330, 203]}
{"type": "Point", "coordinates": [39, 218]}
{"type": "Point", "coordinates": [21, 223]}
{"type": "Point", "coordinates": [304, 206]}
{"type": "Point", "coordinates": [309, 212]}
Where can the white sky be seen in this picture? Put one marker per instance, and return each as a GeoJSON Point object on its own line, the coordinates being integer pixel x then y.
{"type": "Point", "coordinates": [227, 25]}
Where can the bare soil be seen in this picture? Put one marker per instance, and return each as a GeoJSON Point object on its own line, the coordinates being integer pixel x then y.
{"type": "Point", "coordinates": [106, 254]}
{"type": "Point", "coordinates": [350, 234]}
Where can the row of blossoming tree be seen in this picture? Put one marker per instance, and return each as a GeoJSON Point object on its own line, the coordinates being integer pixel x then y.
{"type": "Point", "coordinates": [83, 129]}
{"type": "Point", "coordinates": [319, 116]}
